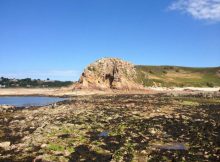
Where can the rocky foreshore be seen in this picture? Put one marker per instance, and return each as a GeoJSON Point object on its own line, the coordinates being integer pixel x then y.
{"type": "Point", "coordinates": [115, 127]}
{"type": "Point", "coordinates": [7, 108]}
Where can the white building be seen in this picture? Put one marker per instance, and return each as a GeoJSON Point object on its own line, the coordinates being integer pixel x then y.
{"type": "Point", "coordinates": [2, 86]}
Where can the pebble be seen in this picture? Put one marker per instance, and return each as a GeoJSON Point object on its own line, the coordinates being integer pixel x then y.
{"type": "Point", "coordinates": [43, 145]}
{"type": "Point", "coordinates": [5, 145]}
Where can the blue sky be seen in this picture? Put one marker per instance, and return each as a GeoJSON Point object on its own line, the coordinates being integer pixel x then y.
{"type": "Point", "coordinates": [58, 38]}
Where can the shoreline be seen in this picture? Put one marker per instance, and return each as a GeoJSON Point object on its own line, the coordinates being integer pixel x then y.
{"type": "Point", "coordinates": [27, 92]}
{"type": "Point", "coordinates": [68, 92]}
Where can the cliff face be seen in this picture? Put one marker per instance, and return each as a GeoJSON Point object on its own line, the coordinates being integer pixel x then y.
{"type": "Point", "coordinates": [109, 73]}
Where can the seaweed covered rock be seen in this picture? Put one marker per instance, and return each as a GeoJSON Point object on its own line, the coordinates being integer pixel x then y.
{"type": "Point", "coordinates": [109, 73]}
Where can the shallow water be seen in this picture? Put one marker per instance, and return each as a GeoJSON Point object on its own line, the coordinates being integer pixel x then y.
{"type": "Point", "coordinates": [173, 146]}
{"type": "Point", "coordinates": [29, 101]}
{"type": "Point", "coordinates": [104, 134]}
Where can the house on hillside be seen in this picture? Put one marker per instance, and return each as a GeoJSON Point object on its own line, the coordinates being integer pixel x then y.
{"type": "Point", "coordinates": [14, 80]}
{"type": "Point", "coordinates": [2, 86]}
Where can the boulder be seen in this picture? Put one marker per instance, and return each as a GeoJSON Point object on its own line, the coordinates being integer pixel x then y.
{"type": "Point", "coordinates": [109, 73]}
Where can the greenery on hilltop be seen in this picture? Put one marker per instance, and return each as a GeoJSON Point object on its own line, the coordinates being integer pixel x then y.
{"type": "Point", "coordinates": [31, 83]}
{"type": "Point", "coordinates": [170, 76]}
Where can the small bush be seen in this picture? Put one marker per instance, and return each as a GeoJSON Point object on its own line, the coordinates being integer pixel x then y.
{"type": "Point", "coordinates": [177, 70]}
{"type": "Point", "coordinates": [55, 147]}
{"type": "Point", "coordinates": [209, 84]}
{"type": "Point", "coordinates": [151, 72]}
{"type": "Point", "coordinates": [168, 68]}
{"type": "Point", "coordinates": [181, 85]}
{"type": "Point", "coordinates": [165, 72]}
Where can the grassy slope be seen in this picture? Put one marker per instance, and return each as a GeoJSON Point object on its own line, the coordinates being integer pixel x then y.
{"type": "Point", "coordinates": [178, 76]}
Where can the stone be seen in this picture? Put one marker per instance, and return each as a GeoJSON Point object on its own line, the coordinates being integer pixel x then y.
{"type": "Point", "coordinates": [43, 145]}
{"type": "Point", "coordinates": [152, 131]}
{"type": "Point", "coordinates": [38, 159]}
{"type": "Point", "coordinates": [58, 153]}
{"type": "Point", "coordinates": [5, 145]}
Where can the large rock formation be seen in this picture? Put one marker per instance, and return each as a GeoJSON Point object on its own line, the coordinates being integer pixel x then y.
{"type": "Point", "coordinates": [109, 73]}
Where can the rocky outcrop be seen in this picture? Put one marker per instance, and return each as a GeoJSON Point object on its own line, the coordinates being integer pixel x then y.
{"type": "Point", "coordinates": [109, 73]}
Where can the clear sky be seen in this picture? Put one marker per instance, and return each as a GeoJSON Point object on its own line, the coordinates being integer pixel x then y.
{"type": "Point", "coordinates": [58, 38]}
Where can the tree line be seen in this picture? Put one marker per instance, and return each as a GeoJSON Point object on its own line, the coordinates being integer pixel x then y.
{"type": "Point", "coordinates": [32, 83]}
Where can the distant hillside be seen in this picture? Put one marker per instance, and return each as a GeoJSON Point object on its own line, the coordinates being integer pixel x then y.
{"type": "Point", "coordinates": [169, 76]}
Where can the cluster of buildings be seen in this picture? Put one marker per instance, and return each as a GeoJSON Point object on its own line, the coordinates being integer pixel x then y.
{"type": "Point", "coordinates": [14, 82]}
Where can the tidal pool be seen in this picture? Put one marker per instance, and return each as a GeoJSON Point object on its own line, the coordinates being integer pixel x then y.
{"type": "Point", "coordinates": [29, 100]}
